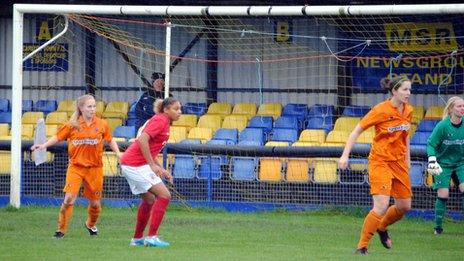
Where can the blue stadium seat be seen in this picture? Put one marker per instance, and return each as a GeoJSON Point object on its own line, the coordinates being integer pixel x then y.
{"type": "Point", "coordinates": [210, 166]}
{"type": "Point", "coordinates": [298, 110]}
{"type": "Point", "coordinates": [249, 143]}
{"type": "Point", "coordinates": [127, 132]}
{"type": "Point", "coordinates": [356, 173]}
{"type": "Point", "coordinates": [27, 105]}
{"type": "Point", "coordinates": [420, 138]}
{"type": "Point", "coordinates": [131, 112]}
{"type": "Point", "coordinates": [321, 110]}
{"type": "Point", "coordinates": [320, 122]}
{"type": "Point", "coordinates": [289, 135]}
{"type": "Point", "coordinates": [427, 125]}
{"type": "Point", "coordinates": [194, 108]}
{"type": "Point", "coordinates": [4, 105]}
{"type": "Point", "coordinates": [5, 117]}
{"type": "Point", "coordinates": [190, 141]}
{"type": "Point", "coordinates": [263, 122]}
{"type": "Point", "coordinates": [184, 167]}
{"type": "Point", "coordinates": [252, 134]}
{"type": "Point", "coordinates": [46, 106]}
{"type": "Point", "coordinates": [230, 135]}
{"type": "Point", "coordinates": [416, 174]}
{"type": "Point", "coordinates": [355, 111]}
{"type": "Point", "coordinates": [131, 121]}
{"type": "Point", "coordinates": [287, 122]}
{"type": "Point", "coordinates": [243, 168]}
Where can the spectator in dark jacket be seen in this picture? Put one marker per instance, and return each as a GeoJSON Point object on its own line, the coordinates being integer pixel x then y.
{"type": "Point", "coordinates": [144, 107]}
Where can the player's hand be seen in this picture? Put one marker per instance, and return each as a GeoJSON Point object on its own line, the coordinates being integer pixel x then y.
{"type": "Point", "coordinates": [169, 177]}
{"type": "Point", "coordinates": [156, 169]}
{"type": "Point", "coordinates": [433, 168]}
{"type": "Point", "coordinates": [37, 147]}
{"type": "Point", "coordinates": [343, 163]}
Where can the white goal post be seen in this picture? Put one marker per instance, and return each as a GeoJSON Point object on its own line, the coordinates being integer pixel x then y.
{"type": "Point", "coordinates": [251, 11]}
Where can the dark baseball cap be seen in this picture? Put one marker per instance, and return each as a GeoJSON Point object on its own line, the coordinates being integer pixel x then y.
{"type": "Point", "coordinates": [157, 75]}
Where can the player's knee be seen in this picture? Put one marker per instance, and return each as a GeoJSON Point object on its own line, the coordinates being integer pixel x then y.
{"type": "Point", "coordinates": [404, 208]}
{"type": "Point", "coordinates": [166, 195]}
{"type": "Point", "coordinates": [95, 203]}
{"type": "Point", "coordinates": [69, 199]}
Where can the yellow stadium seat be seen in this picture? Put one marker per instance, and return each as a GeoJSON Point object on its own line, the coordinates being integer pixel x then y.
{"type": "Point", "coordinates": [110, 164]}
{"type": "Point", "coordinates": [412, 130]}
{"type": "Point", "coordinates": [235, 122]}
{"type": "Point", "coordinates": [5, 137]}
{"type": "Point", "coordinates": [68, 106]}
{"type": "Point", "coordinates": [116, 109]}
{"type": "Point", "coordinates": [113, 123]}
{"type": "Point", "coordinates": [276, 144]}
{"type": "Point", "coordinates": [31, 117]}
{"type": "Point", "coordinates": [210, 121]}
{"type": "Point", "coordinates": [220, 108]}
{"type": "Point", "coordinates": [434, 113]}
{"type": "Point", "coordinates": [187, 120]}
{"type": "Point", "coordinates": [325, 171]}
{"type": "Point", "coordinates": [199, 133]}
{"type": "Point", "coordinates": [297, 170]}
{"type": "Point", "coordinates": [270, 109]}
{"type": "Point", "coordinates": [346, 123]}
{"type": "Point", "coordinates": [56, 117]}
{"type": "Point", "coordinates": [5, 159]}
{"type": "Point", "coordinates": [337, 137]}
{"type": "Point", "coordinates": [4, 129]}
{"type": "Point", "coordinates": [245, 108]}
{"type": "Point", "coordinates": [177, 133]}
{"type": "Point", "coordinates": [50, 130]}
{"type": "Point", "coordinates": [100, 108]}
{"type": "Point", "coordinates": [27, 131]}
{"type": "Point", "coordinates": [315, 136]}
{"type": "Point", "coordinates": [270, 169]}
{"type": "Point", "coordinates": [417, 114]}
{"type": "Point", "coordinates": [306, 144]}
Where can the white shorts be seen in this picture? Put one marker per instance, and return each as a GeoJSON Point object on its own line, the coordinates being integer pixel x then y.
{"type": "Point", "coordinates": [140, 179]}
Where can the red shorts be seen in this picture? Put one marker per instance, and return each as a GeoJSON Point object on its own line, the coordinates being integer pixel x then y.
{"type": "Point", "coordinates": [390, 179]}
{"type": "Point", "coordinates": [92, 177]}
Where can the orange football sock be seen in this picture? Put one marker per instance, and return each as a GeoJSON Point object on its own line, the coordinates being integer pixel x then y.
{"type": "Point", "coordinates": [371, 222]}
{"type": "Point", "coordinates": [93, 214]}
{"type": "Point", "coordinates": [66, 212]}
{"type": "Point", "coordinates": [390, 217]}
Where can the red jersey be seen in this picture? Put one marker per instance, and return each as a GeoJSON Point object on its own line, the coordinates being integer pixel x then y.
{"type": "Point", "coordinates": [157, 128]}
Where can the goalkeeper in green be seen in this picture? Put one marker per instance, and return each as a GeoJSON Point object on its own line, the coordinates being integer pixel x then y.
{"type": "Point", "coordinates": [445, 148]}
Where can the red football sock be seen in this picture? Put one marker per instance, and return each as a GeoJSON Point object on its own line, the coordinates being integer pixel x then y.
{"type": "Point", "coordinates": [157, 214]}
{"type": "Point", "coordinates": [143, 215]}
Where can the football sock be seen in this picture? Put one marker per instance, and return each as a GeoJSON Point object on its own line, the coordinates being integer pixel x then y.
{"type": "Point", "coordinates": [93, 214]}
{"type": "Point", "coordinates": [440, 208]}
{"type": "Point", "coordinates": [66, 212]}
{"type": "Point", "coordinates": [157, 214]}
{"type": "Point", "coordinates": [371, 222]}
{"type": "Point", "coordinates": [143, 215]}
{"type": "Point", "coordinates": [390, 217]}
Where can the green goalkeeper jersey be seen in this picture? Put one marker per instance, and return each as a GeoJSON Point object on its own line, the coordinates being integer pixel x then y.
{"type": "Point", "coordinates": [447, 143]}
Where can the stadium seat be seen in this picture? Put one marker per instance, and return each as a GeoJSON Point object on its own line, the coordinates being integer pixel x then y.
{"type": "Point", "coordinates": [247, 109]}
{"type": "Point", "coordinates": [4, 105]}
{"type": "Point", "coordinates": [50, 130]}
{"type": "Point", "coordinates": [230, 135]}
{"type": "Point", "coordinates": [288, 135]}
{"type": "Point", "coordinates": [199, 133]}
{"type": "Point", "coordinates": [27, 131]}
{"type": "Point", "coordinates": [56, 118]}
{"type": "Point", "coordinates": [306, 144]}
{"type": "Point", "coordinates": [420, 138]}
{"type": "Point", "coordinates": [131, 112]}
{"type": "Point", "coordinates": [434, 113]}
{"type": "Point", "coordinates": [5, 117]}
{"type": "Point", "coordinates": [68, 106]}
{"type": "Point", "coordinates": [417, 173]}
{"type": "Point", "coordinates": [243, 168]}
{"type": "Point", "coordinates": [297, 170]}
{"type": "Point", "coordinates": [276, 144]}
{"type": "Point", "coordinates": [27, 105]}
{"type": "Point", "coordinates": [270, 169]}
{"type": "Point", "coordinates": [320, 123]}
{"type": "Point", "coordinates": [5, 159]}
{"type": "Point", "coordinates": [298, 110]}
{"type": "Point", "coordinates": [316, 136]}
{"type": "Point", "coordinates": [219, 108]}
{"type": "Point", "coordinates": [337, 137]}
{"type": "Point", "coordinates": [210, 121]}
{"type": "Point", "coordinates": [186, 120]}
{"type": "Point", "coordinates": [427, 125]}
{"type": "Point", "coordinates": [191, 141]}
{"type": "Point", "coordinates": [177, 133]}
{"type": "Point", "coordinates": [356, 172]}
{"type": "Point", "coordinates": [113, 123]}
{"type": "Point", "coordinates": [210, 166]}
{"type": "Point", "coordinates": [287, 122]}
{"type": "Point", "coordinates": [110, 164]}
{"type": "Point", "coordinates": [116, 109]}
{"type": "Point", "coordinates": [252, 134]}
{"type": "Point", "coordinates": [100, 108]}
{"type": "Point", "coordinates": [4, 129]}
{"type": "Point", "coordinates": [321, 110]}
{"type": "Point", "coordinates": [45, 106]}
{"type": "Point", "coordinates": [346, 123]}
{"type": "Point", "coordinates": [48, 158]}
{"type": "Point", "coordinates": [263, 122]}
{"type": "Point", "coordinates": [184, 167]}
{"type": "Point", "coordinates": [235, 122]}
{"type": "Point", "coordinates": [270, 109]}
{"type": "Point", "coordinates": [355, 111]}
{"type": "Point", "coordinates": [126, 132]}
{"type": "Point", "coordinates": [31, 117]}
{"type": "Point", "coordinates": [417, 114]}
{"type": "Point", "coordinates": [194, 108]}
{"type": "Point", "coordinates": [249, 143]}
{"type": "Point", "coordinates": [325, 171]}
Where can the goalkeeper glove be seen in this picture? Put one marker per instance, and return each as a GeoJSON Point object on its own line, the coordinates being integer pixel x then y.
{"type": "Point", "coordinates": [433, 167]}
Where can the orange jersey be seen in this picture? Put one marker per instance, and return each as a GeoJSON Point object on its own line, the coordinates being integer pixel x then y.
{"type": "Point", "coordinates": [391, 131]}
{"type": "Point", "coordinates": [85, 147]}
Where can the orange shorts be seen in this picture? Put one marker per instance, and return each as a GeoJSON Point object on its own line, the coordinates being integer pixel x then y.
{"type": "Point", "coordinates": [92, 177]}
{"type": "Point", "coordinates": [390, 179]}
